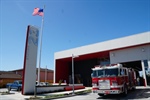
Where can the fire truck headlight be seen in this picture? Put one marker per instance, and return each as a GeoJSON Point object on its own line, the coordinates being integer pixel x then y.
{"type": "Point", "coordinates": [114, 83]}
{"type": "Point", "coordinates": [94, 84]}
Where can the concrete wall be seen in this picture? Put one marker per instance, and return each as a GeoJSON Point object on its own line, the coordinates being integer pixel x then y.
{"type": "Point", "coordinates": [130, 54]}
{"type": "Point", "coordinates": [49, 89]}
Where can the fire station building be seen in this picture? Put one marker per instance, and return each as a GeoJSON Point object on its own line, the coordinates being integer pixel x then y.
{"type": "Point", "coordinates": [131, 51]}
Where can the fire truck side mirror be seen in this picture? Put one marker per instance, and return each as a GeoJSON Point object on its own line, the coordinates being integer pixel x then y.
{"type": "Point", "coordinates": [92, 75]}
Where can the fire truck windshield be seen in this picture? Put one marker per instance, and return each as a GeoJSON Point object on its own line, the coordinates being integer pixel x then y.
{"type": "Point", "coordinates": [105, 72]}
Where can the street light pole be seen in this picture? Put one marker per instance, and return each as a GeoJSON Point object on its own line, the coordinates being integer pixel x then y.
{"type": "Point", "coordinates": [72, 74]}
{"type": "Point", "coordinates": [73, 56]}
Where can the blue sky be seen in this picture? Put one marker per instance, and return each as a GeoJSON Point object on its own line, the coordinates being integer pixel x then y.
{"type": "Point", "coordinates": [67, 24]}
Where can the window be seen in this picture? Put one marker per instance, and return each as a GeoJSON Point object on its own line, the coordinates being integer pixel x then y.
{"type": "Point", "coordinates": [94, 74]}
{"type": "Point", "coordinates": [105, 72]}
{"type": "Point", "coordinates": [111, 72]}
{"type": "Point", "coordinates": [122, 72]}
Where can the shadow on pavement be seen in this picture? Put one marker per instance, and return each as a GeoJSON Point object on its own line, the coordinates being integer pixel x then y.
{"type": "Point", "coordinates": [134, 94]}
{"type": "Point", "coordinates": [139, 94]}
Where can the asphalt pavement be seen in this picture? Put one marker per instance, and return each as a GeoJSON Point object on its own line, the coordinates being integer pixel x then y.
{"type": "Point", "coordinates": [142, 93]}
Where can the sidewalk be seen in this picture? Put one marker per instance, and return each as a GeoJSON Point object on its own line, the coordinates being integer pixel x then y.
{"type": "Point", "coordinates": [68, 92]}
{"type": "Point", "coordinates": [64, 94]}
{"type": "Point", "coordinates": [15, 95]}
{"type": "Point", "coordinates": [142, 87]}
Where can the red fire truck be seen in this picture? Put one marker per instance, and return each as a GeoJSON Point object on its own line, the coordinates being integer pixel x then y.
{"type": "Point", "coordinates": [113, 79]}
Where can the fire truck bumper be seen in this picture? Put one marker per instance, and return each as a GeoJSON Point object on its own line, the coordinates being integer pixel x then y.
{"type": "Point", "coordinates": [107, 91]}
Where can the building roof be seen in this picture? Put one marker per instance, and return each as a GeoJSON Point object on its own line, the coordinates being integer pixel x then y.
{"type": "Point", "coordinates": [41, 69]}
{"type": "Point", "coordinates": [7, 74]}
{"type": "Point", "coordinates": [124, 42]}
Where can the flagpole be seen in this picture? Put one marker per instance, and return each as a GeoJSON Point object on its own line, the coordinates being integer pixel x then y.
{"type": "Point", "coordinates": [41, 34]}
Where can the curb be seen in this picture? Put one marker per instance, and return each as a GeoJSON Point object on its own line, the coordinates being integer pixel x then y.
{"type": "Point", "coordinates": [61, 95]}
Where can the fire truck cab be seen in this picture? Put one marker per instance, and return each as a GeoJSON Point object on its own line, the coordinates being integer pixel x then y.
{"type": "Point", "coordinates": [112, 79]}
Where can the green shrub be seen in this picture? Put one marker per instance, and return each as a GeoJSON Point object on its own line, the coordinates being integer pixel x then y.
{"type": "Point", "coordinates": [60, 81]}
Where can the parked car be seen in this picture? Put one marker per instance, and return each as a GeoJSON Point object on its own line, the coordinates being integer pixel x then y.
{"type": "Point", "coordinates": [15, 85]}
{"type": "Point", "coordinates": [42, 84]}
{"type": "Point", "coordinates": [39, 84]}
{"type": "Point", "coordinates": [47, 83]}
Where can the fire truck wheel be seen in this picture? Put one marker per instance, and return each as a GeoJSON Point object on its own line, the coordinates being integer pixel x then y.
{"type": "Point", "coordinates": [133, 88]}
{"type": "Point", "coordinates": [101, 94]}
{"type": "Point", "coordinates": [125, 90]}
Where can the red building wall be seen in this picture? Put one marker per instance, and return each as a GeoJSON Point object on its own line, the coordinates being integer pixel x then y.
{"type": "Point", "coordinates": [48, 75]}
{"type": "Point", "coordinates": [62, 71]}
{"type": "Point", "coordinates": [42, 74]}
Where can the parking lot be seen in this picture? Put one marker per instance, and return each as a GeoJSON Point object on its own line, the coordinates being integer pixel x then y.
{"type": "Point", "coordinates": [140, 93]}
{"type": "Point", "coordinates": [14, 95]}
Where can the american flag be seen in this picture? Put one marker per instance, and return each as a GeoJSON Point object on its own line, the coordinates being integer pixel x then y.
{"type": "Point", "coordinates": [38, 11]}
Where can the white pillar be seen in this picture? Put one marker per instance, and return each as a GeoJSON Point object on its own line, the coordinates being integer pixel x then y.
{"type": "Point", "coordinates": [143, 70]}
{"type": "Point", "coordinates": [149, 63]}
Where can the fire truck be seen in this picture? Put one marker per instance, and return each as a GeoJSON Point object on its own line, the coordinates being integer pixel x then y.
{"type": "Point", "coordinates": [112, 79]}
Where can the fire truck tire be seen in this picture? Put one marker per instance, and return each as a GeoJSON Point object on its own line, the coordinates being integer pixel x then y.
{"type": "Point", "coordinates": [100, 94]}
{"type": "Point", "coordinates": [125, 90]}
{"type": "Point", "coordinates": [133, 88]}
